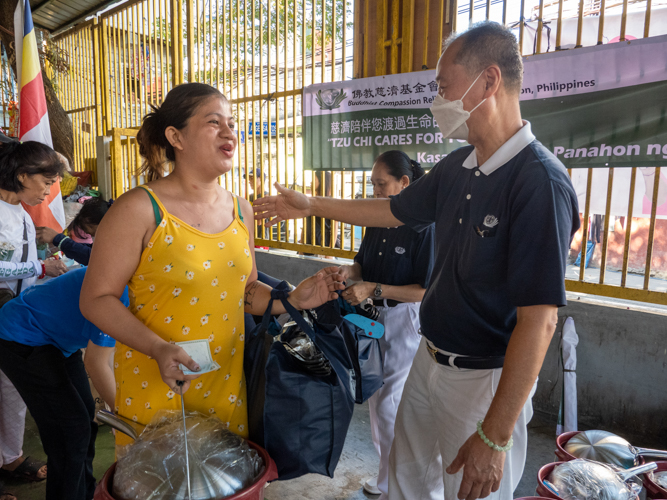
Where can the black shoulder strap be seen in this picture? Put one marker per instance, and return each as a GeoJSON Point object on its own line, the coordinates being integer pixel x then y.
{"type": "Point", "coordinates": [24, 257]}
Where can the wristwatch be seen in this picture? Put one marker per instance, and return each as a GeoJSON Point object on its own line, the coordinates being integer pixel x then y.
{"type": "Point", "coordinates": [378, 291]}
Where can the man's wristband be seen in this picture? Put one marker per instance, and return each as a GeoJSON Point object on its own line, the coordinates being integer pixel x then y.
{"type": "Point", "coordinates": [41, 276]}
{"type": "Point", "coordinates": [491, 444]}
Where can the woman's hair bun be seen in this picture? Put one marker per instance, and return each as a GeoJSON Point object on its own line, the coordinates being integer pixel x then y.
{"type": "Point", "coordinates": [417, 170]}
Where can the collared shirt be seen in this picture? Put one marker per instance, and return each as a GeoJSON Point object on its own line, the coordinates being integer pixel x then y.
{"type": "Point", "coordinates": [504, 153]}
{"type": "Point", "coordinates": [397, 255]}
{"type": "Point", "coordinates": [503, 233]}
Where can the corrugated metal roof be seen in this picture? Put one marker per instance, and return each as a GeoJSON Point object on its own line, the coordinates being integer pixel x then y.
{"type": "Point", "coordinates": [55, 15]}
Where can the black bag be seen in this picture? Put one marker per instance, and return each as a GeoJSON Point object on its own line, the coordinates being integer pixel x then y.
{"type": "Point", "coordinates": [5, 296]}
{"type": "Point", "coordinates": [306, 417]}
{"type": "Point", "coordinates": [259, 338]}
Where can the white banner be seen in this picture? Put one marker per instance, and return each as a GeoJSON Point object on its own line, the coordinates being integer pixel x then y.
{"type": "Point", "coordinates": [568, 72]}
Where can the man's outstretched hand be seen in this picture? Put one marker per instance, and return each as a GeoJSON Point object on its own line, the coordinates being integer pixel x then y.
{"type": "Point", "coordinates": [288, 204]}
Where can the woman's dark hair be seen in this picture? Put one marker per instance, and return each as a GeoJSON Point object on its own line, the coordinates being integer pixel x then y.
{"type": "Point", "coordinates": [178, 107]}
{"type": "Point", "coordinates": [91, 214]}
{"type": "Point", "coordinates": [31, 158]}
{"type": "Point", "coordinates": [399, 164]}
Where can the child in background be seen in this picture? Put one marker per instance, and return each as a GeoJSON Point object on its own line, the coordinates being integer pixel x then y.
{"type": "Point", "coordinates": [82, 227]}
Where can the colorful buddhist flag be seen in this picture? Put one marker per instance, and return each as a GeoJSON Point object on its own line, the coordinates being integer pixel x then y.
{"type": "Point", "coordinates": [33, 116]}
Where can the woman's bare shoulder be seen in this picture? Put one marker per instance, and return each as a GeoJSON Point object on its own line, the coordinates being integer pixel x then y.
{"type": "Point", "coordinates": [134, 198]}
{"type": "Point", "coordinates": [134, 205]}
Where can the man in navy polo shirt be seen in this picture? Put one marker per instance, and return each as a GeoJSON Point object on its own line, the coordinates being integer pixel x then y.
{"type": "Point", "coordinates": [505, 213]}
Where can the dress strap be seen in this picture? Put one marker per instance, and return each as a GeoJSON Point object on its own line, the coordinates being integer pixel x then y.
{"type": "Point", "coordinates": [156, 206]}
{"type": "Point", "coordinates": [238, 208]}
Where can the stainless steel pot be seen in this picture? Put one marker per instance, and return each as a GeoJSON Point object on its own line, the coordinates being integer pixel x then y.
{"type": "Point", "coordinates": [154, 468]}
{"type": "Point", "coordinates": [603, 446]}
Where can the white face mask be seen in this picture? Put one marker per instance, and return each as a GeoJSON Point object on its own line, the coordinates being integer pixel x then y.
{"type": "Point", "coordinates": [450, 115]}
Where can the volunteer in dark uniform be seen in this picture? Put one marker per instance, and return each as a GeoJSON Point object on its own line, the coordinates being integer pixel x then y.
{"type": "Point", "coordinates": [395, 265]}
{"type": "Point", "coordinates": [505, 212]}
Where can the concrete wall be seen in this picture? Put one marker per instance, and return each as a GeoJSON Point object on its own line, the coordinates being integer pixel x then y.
{"type": "Point", "coordinates": [621, 371]}
{"type": "Point", "coordinates": [622, 360]}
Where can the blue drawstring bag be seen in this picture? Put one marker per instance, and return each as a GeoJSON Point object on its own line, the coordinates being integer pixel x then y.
{"type": "Point", "coordinates": [362, 339]}
{"type": "Point", "coordinates": [306, 417]}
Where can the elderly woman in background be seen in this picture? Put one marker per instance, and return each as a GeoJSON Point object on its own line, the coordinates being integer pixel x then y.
{"type": "Point", "coordinates": [27, 171]}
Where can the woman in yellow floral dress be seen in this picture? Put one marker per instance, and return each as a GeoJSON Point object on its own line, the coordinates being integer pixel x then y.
{"type": "Point", "coordinates": [182, 245]}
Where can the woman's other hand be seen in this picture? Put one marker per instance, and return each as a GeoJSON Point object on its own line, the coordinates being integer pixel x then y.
{"type": "Point", "coordinates": [357, 293]}
{"type": "Point", "coordinates": [54, 267]}
{"type": "Point", "coordinates": [169, 357]}
{"type": "Point", "coordinates": [45, 234]}
{"type": "Point", "coordinates": [318, 289]}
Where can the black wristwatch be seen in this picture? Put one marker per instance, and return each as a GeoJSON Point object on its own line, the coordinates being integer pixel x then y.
{"type": "Point", "coordinates": [378, 291]}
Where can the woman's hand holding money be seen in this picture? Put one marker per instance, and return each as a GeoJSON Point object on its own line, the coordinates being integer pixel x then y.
{"type": "Point", "coordinates": [169, 357]}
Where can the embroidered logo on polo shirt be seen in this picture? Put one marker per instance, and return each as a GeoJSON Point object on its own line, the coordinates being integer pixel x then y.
{"type": "Point", "coordinates": [490, 221]}
{"type": "Point", "coordinates": [400, 250]}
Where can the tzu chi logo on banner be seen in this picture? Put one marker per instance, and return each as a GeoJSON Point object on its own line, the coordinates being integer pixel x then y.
{"type": "Point", "coordinates": [330, 99]}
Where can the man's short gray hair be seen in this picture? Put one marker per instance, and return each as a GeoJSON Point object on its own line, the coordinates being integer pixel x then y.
{"type": "Point", "coordinates": [488, 43]}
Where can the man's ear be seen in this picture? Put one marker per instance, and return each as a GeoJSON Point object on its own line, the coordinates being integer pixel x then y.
{"type": "Point", "coordinates": [174, 137]}
{"type": "Point", "coordinates": [493, 79]}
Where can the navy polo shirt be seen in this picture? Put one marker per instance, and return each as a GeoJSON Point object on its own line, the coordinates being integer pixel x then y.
{"type": "Point", "coordinates": [503, 235]}
{"type": "Point", "coordinates": [397, 255]}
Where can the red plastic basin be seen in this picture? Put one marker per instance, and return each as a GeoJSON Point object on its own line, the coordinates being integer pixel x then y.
{"type": "Point", "coordinates": [561, 441]}
{"type": "Point", "coordinates": [253, 492]}
{"type": "Point", "coordinates": [653, 491]}
{"type": "Point", "coordinates": [543, 474]}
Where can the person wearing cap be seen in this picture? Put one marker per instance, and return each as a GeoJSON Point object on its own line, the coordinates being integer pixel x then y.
{"type": "Point", "coordinates": [505, 213]}
{"type": "Point", "coordinates": [255, 183]}
{"type": "Point", "coordinates": [392, 268]}
{"type": "Point", "coordinates": [254, 177]}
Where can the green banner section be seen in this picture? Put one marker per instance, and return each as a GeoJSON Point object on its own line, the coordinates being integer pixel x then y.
{"type": "Point", "coordinates": [624, 127]}
{"type": "Point", "coordinates": [614, 128]}
{"type": "Point", "coordinates": [351, 141]}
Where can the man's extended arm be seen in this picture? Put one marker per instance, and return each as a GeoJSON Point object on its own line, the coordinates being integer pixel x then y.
{"type": "Point", "coordinates": [294, 205]}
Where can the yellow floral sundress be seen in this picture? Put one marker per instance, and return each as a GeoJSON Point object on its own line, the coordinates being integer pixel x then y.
{"type": "Point", "coordinates": [189, 286]}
